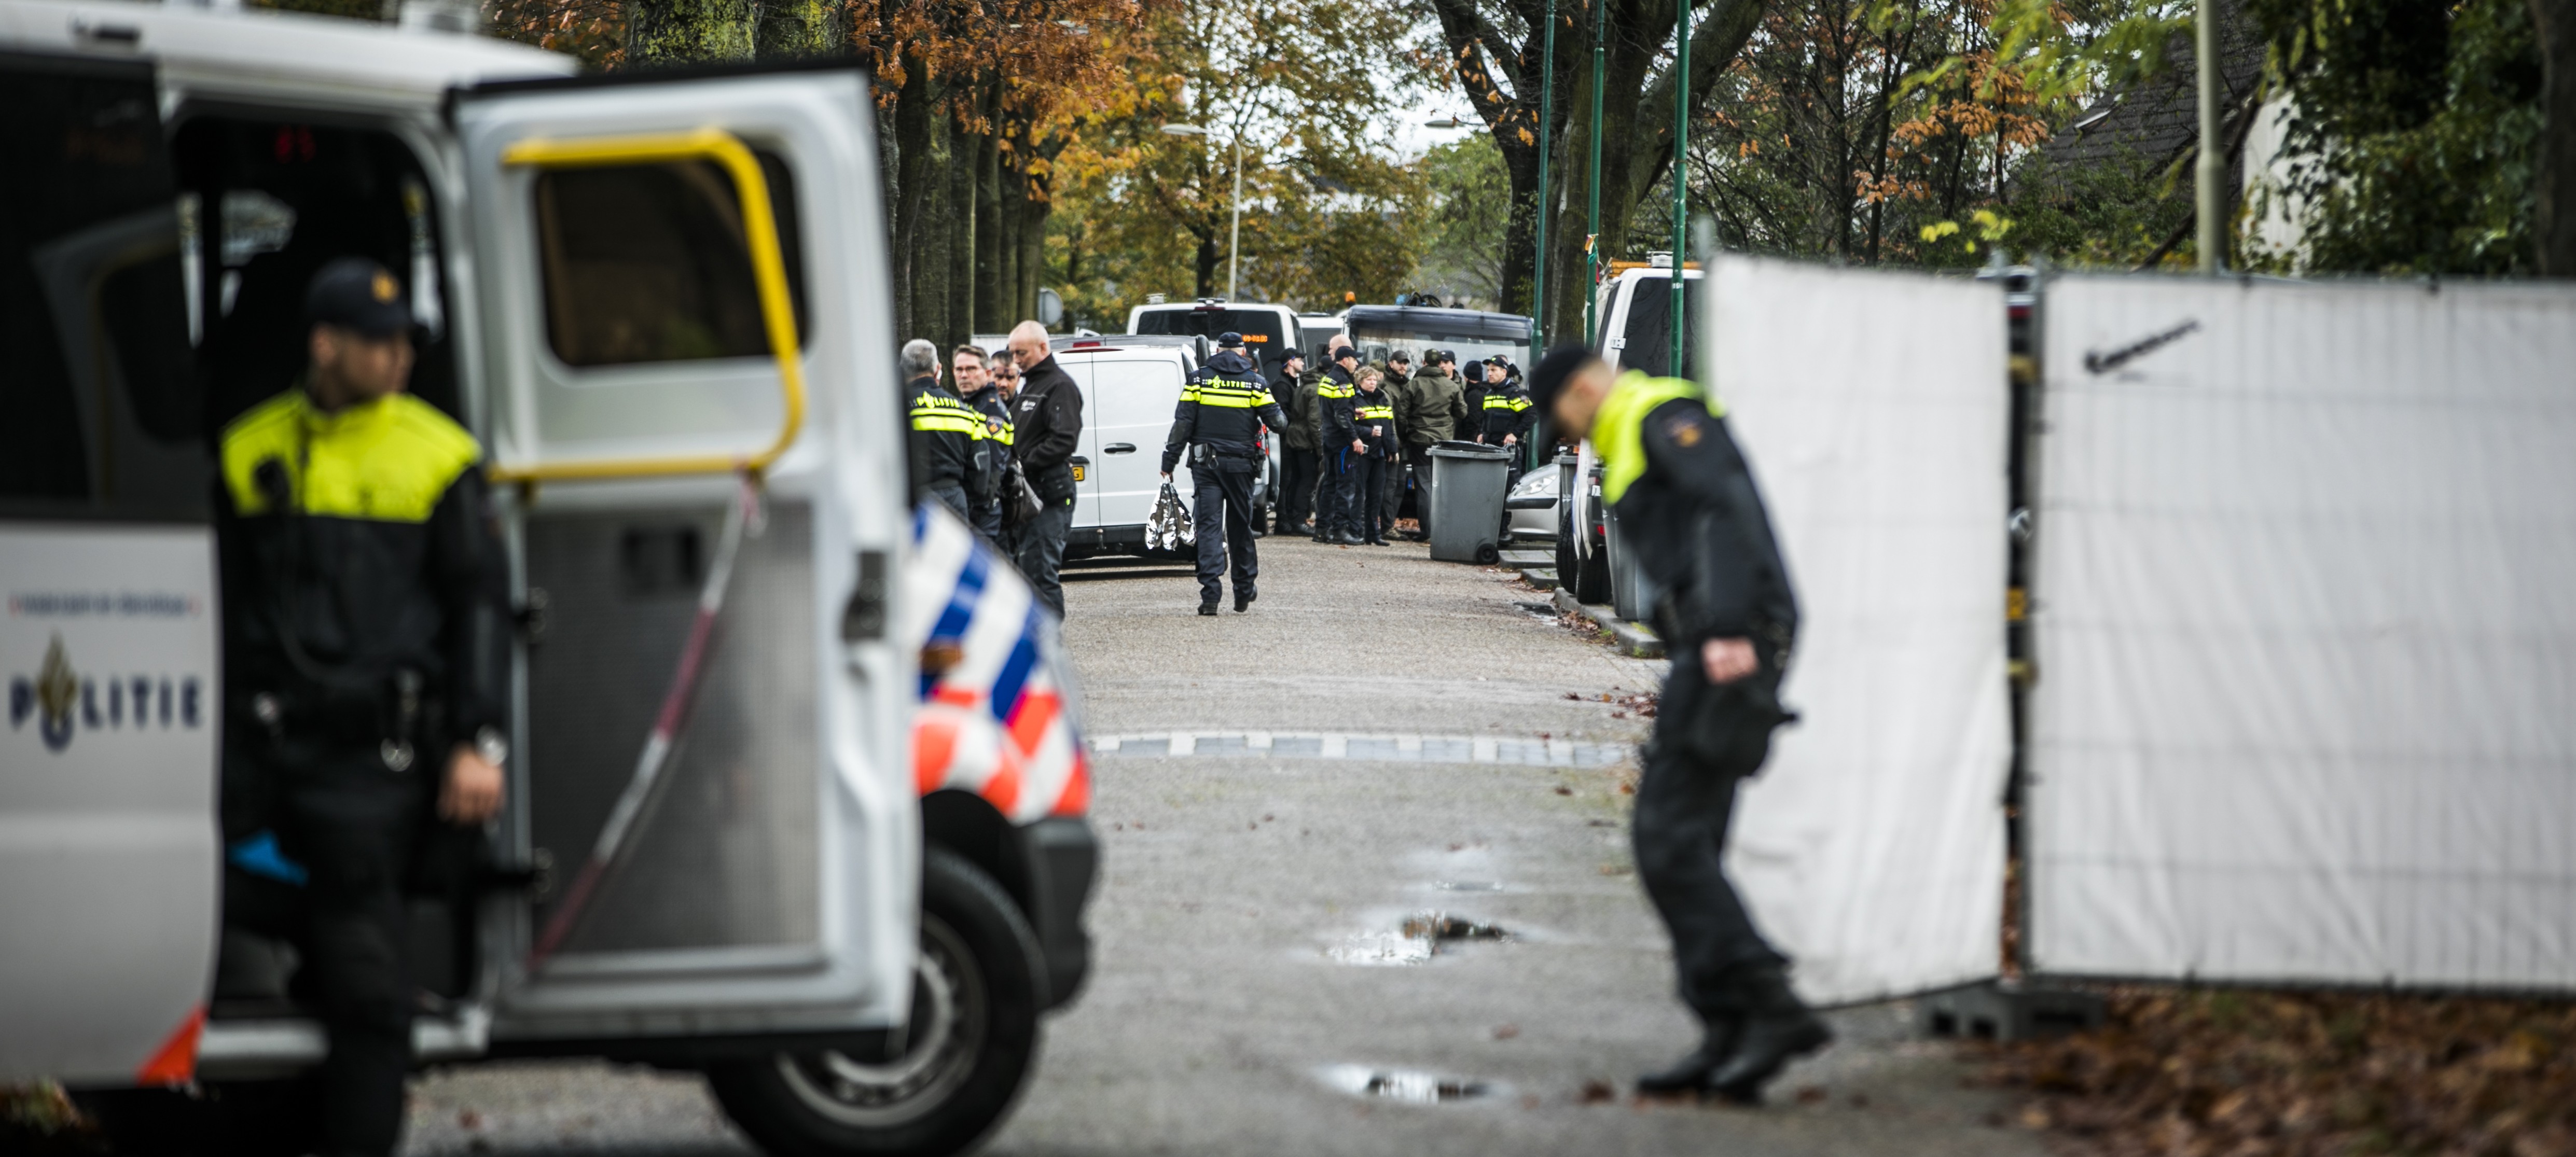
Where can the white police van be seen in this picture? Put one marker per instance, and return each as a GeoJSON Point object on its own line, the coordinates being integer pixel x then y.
{"type": "Point", "coordinates": [839, 864]}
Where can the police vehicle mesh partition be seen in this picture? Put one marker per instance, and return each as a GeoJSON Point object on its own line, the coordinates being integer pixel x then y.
{"type": "Point", "coordinates": [726, 852]}
{"type": "Point", "coordinates": [1871, 849]}
{"type": "Point", "coordinates": [2306, 615]}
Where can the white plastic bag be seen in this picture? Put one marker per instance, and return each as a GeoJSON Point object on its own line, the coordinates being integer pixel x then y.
{"type": "Point", "coordinates": [1169, 528]}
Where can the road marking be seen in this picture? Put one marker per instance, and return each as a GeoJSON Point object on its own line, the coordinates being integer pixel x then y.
{"type": "Point", "coordinates": [1530, 752]}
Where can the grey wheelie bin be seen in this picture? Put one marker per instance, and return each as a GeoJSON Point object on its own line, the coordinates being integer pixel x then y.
{"type": "Point", "coordinates": [1468, 481]}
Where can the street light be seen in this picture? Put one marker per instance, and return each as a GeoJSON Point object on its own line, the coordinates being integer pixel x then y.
{"type": "Point", "coordinates": [1444, 123]}
{"type": "Point", "coordinates": [1234, 239]}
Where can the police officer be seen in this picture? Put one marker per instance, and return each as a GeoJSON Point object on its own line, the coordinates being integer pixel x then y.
{"type": "Point", "coordinates": [366, 666]}
{"type": "Point", "coordinates": [950, 459]}
{"type": "Point", "coordinates": [1337, 517]}
{"type": "Point", "coordinates": [1684, 496]}
{"type": "Point", "coordinates": [1508, 416]}
{"type": "Point", "coordinates": [1219, 422]}
{"type": "Point", "coordinates": [1373, 420]}
{"type": "Point", "coordinates": [1296, 505]}
{"type": "Point", "coordinates": [980, 388]}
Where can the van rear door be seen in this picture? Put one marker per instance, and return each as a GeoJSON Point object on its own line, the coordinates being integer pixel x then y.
{"type": "Point", "coordinates": [109, 633]}
{"type": "Point", "coordinates": [682, 288]}
{"type": "Point", "coordinates": [1133, 395]}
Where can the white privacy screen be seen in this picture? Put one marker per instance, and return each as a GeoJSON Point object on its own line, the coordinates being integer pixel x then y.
{"type": "Point", "coordinates": [1871, 849]}
{"type": "Point", "coordinates": [2306, 614]}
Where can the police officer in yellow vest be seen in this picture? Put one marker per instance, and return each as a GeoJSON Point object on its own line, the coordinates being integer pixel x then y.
{"type": "Point", "coordinates": [1684, 495]}
{"type": "Point", "coordinates": [366, 661]}
{"type": "Point", "coordinates": [1219, 423]}
{"type": "Point", "coordinates": [951, 449]}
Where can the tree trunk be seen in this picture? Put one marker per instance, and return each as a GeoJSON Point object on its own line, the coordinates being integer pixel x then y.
{"type": "Point", "coordinates": [688, 31]}
{"type": "Point", "coordinates": [914, 116]}
{"type": "Point", "coordinates": [1032, 208]}
{"type": "Point", "coordinates": [989, 237]}
{"type": "Point", "coordinates": [1206, 264]}
{"type": "Point", "coordinates": [2553, 24]}
{"type": "Point", "coordinates": [957, 272]}
{"type": "Point", "coordinates": [796, 28]}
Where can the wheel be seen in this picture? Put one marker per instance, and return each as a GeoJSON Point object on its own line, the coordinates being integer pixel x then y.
{"type": "Point", "coordinates": [1591, 576]}
{"type": "Point", "coordinates": [1566, 562]}
{"type": "Point", "coordinates": [979, 984]}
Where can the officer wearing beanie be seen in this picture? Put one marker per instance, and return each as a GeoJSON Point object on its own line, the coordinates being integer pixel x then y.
{"type": "Point", "coordinates": [1685, 497]}
{"type": "Point", "coordinates": [366, 669]}
{"type": "Point", "coordinates": [1219, 423]}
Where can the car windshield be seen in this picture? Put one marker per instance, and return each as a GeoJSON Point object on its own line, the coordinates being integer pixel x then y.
{"type": "Point", "coordinates": [1260, 327]}
{"type": "Point", "coordinates": [1377, 342]}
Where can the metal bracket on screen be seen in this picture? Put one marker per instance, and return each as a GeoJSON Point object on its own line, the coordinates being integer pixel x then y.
{"type": "Point", "coordinates": [2098, 362]}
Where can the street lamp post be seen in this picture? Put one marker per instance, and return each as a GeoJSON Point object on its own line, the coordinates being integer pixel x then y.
{"type": "Point", "coordinates": [1681, 178]}
{"type": "Point", "coordinates": [1234, 235]}
{"type": "Point", "coordinates": [1592, 213]}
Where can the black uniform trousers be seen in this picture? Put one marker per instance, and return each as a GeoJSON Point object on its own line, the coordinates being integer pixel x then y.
{"type": "Point", "coordinates": [1678, 832]}
{"type": "Point", "coordinates": [1297, 474]}
{"type": "Point", "coordinates": [1374, 512]}
{"type": "Point", "coordinates": [1221, 517]}
{"type": "Point", "coordinates": [354, 826]}
{"type": "Point", "coordinates": [1337, 495]}
{"type": "Point", "coordinates": [1037, 547]}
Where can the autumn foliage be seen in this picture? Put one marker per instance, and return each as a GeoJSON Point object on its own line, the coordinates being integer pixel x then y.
{"type": "Point", "coordinates": [2202, 1073]}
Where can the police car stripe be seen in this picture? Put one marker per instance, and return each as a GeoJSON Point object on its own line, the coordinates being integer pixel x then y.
{"type": "Point", "coordinates": [995, 724]}
{"type": "Point", "coordinates": [961, 602]}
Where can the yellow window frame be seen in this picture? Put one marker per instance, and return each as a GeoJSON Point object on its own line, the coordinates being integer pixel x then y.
{"type": "Point", "coordinates": [769, 274]}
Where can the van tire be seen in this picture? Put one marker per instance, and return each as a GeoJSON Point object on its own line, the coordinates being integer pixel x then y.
{"type": "Point", "coordinates": [978, 987]}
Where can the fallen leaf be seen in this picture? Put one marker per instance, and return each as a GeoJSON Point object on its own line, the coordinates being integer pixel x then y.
{"type": "Point", "coordinates": [1561, 789]}
{"type": "Point", "coordinates": [1595, 1092]}
{"type": "Point", "coordinates": [1811, 1094]}
{"type": "Point", "coordinates": [1506, 1031]}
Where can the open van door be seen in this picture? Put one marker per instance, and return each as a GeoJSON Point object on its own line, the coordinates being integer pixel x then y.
{"type": "Point", "coordinates": [689, 398]}
{"type": "Point", "coordinates": [108, 636]}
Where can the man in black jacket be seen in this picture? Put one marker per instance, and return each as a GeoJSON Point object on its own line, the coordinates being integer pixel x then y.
{"type": "Point", "coordinates": [1296, 500]}
{"type": "Point", "coordinates": [977, 387]}
{"type": "Point", "coordinates": [1338, 506]}
{"type": "Point", "coordinates": [1685, 497]}
{"type": "Point", "coordinates": [366, 668]}
{"type": "Point", "coordinates": [949, 460]}
{"type": "Point", "coordinates": [1219, 422]}
{"type": "Point", "coordinates": [1046, 426]}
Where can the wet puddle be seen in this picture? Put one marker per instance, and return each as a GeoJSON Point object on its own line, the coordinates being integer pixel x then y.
{"type": "Point", "coordinates": [1415, 941]}
{"type": "Point", "coordinates": [1408, 1085]}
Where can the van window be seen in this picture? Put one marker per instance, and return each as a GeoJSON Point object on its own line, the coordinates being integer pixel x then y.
{"type": "Point", "coordinates": [264, 204]}
{"type": "Point", "coordinates": [1263, 336]}
{"type": "Point", "coordinates": [1650, 330]}
{"type": "Point", "coordinates": [648, 263]}
{"type": "Point", "coordinates": [104, 419]}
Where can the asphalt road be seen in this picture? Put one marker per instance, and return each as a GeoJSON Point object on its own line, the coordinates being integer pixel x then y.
{"type": "Point", "coordinates": [1381, 740]}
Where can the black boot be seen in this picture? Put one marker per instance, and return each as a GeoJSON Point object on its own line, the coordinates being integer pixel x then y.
{"type": "Point", "coordinates": [1778, 1028]}
{"type": "Point", "coordinates": [1346, 538]}
{"type": "Point", "coordinates": [1243, 600]}
{"type": "Point", "coordinates": [1208, 606]}
{"type": "Point", "coordinates": [1690, 1074]}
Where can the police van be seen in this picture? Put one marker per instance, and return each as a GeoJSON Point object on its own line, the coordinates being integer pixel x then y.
{"type": "Point", "coordinates": [797, 793]}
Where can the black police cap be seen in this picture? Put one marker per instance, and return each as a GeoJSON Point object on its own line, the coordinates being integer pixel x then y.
{"type": "Point", "coordinates": [1229, 340]}
{"type": "Point", "coordinates": [1399, 356]}
{"type": "Point", "coordinates": [357, 294]}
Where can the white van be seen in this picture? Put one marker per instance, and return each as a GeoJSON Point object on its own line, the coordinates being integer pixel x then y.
{"type": "Point", "coordinates": [659, 302]}
{"type": "Point", "coordinates": [1634, 308]}
{"type": "Point", "coordinates": [1269, 331]}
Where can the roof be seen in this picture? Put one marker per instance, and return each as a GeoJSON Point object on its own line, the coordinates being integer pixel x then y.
{"type": "Point", "coordinates": [1457, 323]}
{"type": "Point", "coordinates": [249, 51]}
{"type": "Point", "coordinates": [2157, 119]}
